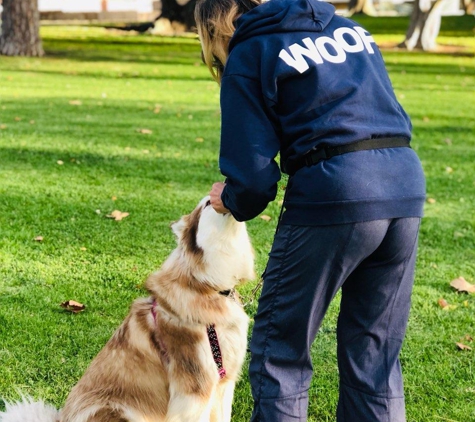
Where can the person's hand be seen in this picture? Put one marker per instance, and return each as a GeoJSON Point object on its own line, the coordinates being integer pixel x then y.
{"type": "Point", "coordinates": [215, 198]}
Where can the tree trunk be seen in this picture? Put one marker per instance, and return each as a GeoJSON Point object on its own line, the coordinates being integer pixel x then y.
{"type": "Point", "coordinates": [424, 26]}
{"type": "Point", "coordinates": [468, 6]}
{"type": "Point", "coordinates": [20, 29]}
{"type": "Point", "coordinates": [361, 6]}
{"type": "Point", "coordinates": [176, 14]}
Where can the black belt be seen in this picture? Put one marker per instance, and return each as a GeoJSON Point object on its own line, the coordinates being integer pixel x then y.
{"type": "Point", "coordinates": [325, 152]}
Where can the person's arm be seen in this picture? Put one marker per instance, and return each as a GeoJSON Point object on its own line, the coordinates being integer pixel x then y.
{"type": "Point", "coordinates": [249, 145]}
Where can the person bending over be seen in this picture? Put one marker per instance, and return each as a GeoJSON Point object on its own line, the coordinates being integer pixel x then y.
{"type": "Point", "coordinates": [298, 80]}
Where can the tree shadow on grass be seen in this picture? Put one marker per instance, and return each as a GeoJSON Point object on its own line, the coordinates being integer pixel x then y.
{"type": "Point", "coordinates": [122, 75]}
{"type": "Point", "coordinates": [97, 168]}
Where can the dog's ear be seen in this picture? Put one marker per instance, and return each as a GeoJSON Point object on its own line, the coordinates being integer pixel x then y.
{"type": "Point", "coordinates": [178, 227]}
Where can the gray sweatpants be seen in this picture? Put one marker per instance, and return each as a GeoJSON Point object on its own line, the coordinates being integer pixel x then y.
{"type": "Point", "coordinates": [373, 262]}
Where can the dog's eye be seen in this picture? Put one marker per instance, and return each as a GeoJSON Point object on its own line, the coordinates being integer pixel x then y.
{"type": "Point", "coordinates": [208, 203]}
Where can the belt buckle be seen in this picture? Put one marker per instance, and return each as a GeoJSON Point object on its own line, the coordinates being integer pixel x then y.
{"type": "Point", "coordinates": [315, 155]}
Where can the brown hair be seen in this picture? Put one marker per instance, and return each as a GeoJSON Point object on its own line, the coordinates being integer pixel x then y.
{"type": "Point", "coordinates": [215, 21]}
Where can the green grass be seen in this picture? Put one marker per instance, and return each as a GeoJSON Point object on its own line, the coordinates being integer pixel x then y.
{"type": "Point", "coordinates": [107, 164]}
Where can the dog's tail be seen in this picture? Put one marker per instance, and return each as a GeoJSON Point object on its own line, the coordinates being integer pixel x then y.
{"type": "Point", "coordinates": [28, 410]}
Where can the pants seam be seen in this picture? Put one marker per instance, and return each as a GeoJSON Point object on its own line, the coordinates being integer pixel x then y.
{"type": "Point", "coordinates": [390, 316]}
{"type": "Point", "coordinates": [270, 319]}
{"type": "Point", "coordinates": [369, 394]}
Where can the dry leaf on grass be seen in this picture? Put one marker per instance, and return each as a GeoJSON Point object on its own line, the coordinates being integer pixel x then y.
{"type": "Point", "coordinates": [73, 306]}
{"type": "Point", "coordinates": [443, 303]}
{"type": "Point", "coordinates": [462, 285]}
{"type": "Point", "coordinates": [75, 102]}
{"type": "Point", "coordinates": [431, 200]}
{"type": "Point", "coordinates": [38, 239]}
{"type": "Point", "coordinates": [462, 346]}
{"type": "Point", "coordinates": [145, 131]}
{"type": "Point", "coordinates": [117, 215]}
{"type": "Point", "coordinates": [266, 217]}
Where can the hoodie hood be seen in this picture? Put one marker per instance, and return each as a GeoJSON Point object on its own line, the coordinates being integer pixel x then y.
{"type": "Point", "coordinates": [283, 16]}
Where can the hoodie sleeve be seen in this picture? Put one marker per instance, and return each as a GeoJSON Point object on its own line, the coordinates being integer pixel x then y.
{"type": "Point", "coordinates": [249, 145]}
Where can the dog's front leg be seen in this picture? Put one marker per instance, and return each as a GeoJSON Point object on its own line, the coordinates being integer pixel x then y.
{"type": "Point", "coordinates": [189, 408]}
{"type": "Point", "coordinates": [223, 402]}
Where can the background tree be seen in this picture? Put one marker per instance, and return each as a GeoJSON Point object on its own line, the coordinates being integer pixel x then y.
{"type": "Point", "coordinates": [176, 15]}
{"type": "Point", "coordinates": [424, 25]}
{"type": "Point", "coordinates": [361, 6]}
{"type": "Point", "coordinates": [468, 6]}
{"type": "Point", "coordinates": [20, 28]}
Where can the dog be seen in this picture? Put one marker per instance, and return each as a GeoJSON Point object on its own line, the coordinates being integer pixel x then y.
{"type": "Point", "coordinates": [178, 354]}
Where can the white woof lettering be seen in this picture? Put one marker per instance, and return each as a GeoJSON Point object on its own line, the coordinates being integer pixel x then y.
{"type": "Point", "coordinates": [326, 49]}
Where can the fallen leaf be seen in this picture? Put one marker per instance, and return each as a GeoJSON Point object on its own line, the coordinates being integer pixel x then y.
{"type": "Point", "coordinates": [114, 198]}
{"type": "Point", "coordinates": [117, 215]}
{"type": "Point", "coordinates": [145, 151]}
{"type": "Point", "coordinates": [17, 119]}
{"type": "Point", "coordinates": [145, 131]}
{"type": "Point", "coordinates": [83, 248]}
{"type": "Point", "coordinates": [449, 170]}
{"type": "Point", "coordinates": [468, 338]}
{"type": "Point", "coordinates": [448, 141]}
{"type": "Point", "coordinates": [426, 119]}
{"type": "Point", "coordinates": [60, 162]}
{"type": "Point", "coordinates": [32, 122]}
{"type": "Point", "coordinates": [3, 127]}
{"type": "Point", "coordinates": [98, 212]}
{"type": "Point", "coordinates": [73, 306]}
{"type": "Point", "coordinates": [199, 139]}
{"type": "Point", "coordinates": [75, 102]}
{"type": "Point", "coordinates": [157, 109]}
{"type": "Point", "coordinates": [266, 217]}
{"type": "Point", "coordinates": [38, 239]}
{"type": "Point", "coordinates": [431, 200]}
{"type": "Point", "coordinates": [462, 346]}
{"type": "Point", "coordinates": [442, 303]}
{"type": "Point", "coordinates": [462, 285]}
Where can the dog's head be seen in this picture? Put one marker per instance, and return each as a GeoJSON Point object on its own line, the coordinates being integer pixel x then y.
{"type": "Point", "coordinates": [217, 245]}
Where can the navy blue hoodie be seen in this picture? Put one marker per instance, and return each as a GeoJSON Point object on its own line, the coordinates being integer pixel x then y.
{"type": "Point", "coordinates": [298, 76]}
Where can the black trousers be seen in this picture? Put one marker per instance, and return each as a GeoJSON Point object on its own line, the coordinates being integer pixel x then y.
{"type": "Point", "coordinates": [373, 263]}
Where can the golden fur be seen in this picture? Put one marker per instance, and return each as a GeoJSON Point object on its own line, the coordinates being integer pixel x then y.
{"type": "Point", "coordinates": [158, 366]}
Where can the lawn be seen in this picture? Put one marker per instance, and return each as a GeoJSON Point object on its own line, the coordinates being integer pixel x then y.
{"type": "Point", "coordinates": [110, 121]}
